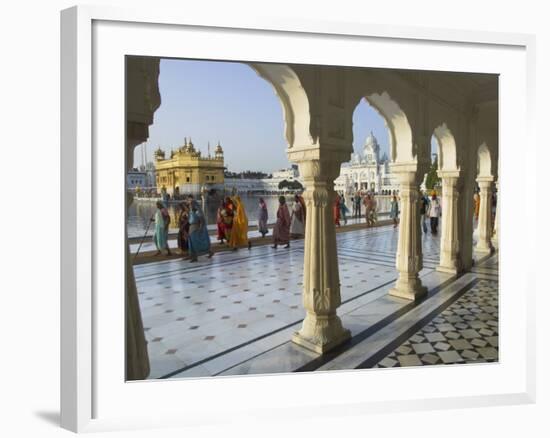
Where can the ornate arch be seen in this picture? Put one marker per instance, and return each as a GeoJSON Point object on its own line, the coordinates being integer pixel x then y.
{"type": "Point", "coordinates": [446, 145]}
{"type": "Point", "coordinates": [293, 98]}
{"type": "Point", "coordinates": [396, 121]}
{"type": "Point", "coordinates": [484, 161]}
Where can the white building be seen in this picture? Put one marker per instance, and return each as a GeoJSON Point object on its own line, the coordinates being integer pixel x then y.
{"type": "Point", "coordinates": [150, 179]}
{"type": "Point", "coordinates": [136, 178]}
{"type": "Point", "coordinates": [366, 171]}
{"type": "Point", "coordinates": [290, 174]}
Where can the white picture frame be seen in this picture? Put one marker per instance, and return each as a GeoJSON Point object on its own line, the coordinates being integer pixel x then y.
{"type": "Point", "coordinates": [90, 402]}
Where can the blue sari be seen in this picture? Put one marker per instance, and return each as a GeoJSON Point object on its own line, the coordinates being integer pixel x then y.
{"type": "Point", "coordinates": [199, 240]}
{"type": "Point", "coordinates": [160, 236]}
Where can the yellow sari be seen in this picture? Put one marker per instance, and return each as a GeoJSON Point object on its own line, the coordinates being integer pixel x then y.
{"type": "Point", "coordinates": [239, 231]}
{"type": "Point", "coordinates": [476, 205]}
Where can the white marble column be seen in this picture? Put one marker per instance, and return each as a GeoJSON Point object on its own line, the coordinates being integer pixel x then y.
{"type": "Point", "coordinates": [409, 246]}
{"type": "Point", "coordinates": [494, 239]}
{"type": "Point", "coordinates": [137, 355]}
{"type": "Point", "coordinates": [321, 329]}
{"type": "Point", "coordinates": [142, 100]}
{"type": "Point", "coordinates": [449, 260]}
{"type": "Point", "coordinates": [484, 225]}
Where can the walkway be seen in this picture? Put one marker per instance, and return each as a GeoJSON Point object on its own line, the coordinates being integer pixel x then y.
{"type": "Point", "coordinates": [236, 313]}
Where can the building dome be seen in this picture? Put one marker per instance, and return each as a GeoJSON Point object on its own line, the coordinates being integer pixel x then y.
{"type": "Point", "coordinates": [159, 154]}
{"type": "Point", "coordinates": [183, 147]}
{"type": "Point", "coordinates": [218, 151]}
{"type": "Point", "coordinates": [371, 149]}
{"type": "Point", "coordinates": [371, 142]}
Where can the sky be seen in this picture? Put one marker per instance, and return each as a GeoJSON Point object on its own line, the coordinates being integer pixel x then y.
{"type": "Point", "coordinates": [210, 101]}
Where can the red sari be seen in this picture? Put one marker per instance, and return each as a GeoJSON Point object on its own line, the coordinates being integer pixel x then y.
{"type": "Point", "coordinates": [226, 224]}
{"type": "Point", "coordinates": [220, 225]}
{"type": "Point", "coordinates": [336, 210]}
{"type": "Point", "coordinates": [281, 230]}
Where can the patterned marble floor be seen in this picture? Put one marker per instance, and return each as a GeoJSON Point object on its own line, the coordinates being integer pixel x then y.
{"type": "Point", "coordinates": [235, 313]}
{"type": "Point", "coordinates": [466, 332]}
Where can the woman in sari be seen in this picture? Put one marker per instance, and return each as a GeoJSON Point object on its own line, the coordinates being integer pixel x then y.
{"type": "Point", "coordinates": [227, 213]}
{"type": "Point", "coordinates": [343, 209]}
{"type": "Point", "coordinates": [281, 231]}
{"type": "Point", "coordinates": [298, 218]}
{"type": "Point", "coordinates": [183, 225]}
{"type": "Point", "coordinates": [336, 210]}
{"type": "Point", "coordinates": [394, 211]}
{"type": "Point", "coordinates": [372, 217]}
{"type": "Point", "coordinates": [368, 206]}
{"type": "Point", "coordinates": [262, 218]}
{"type": "Point", "coordinates": [199, 240]}
{"type": "Point", "coordinates": [476, 205]}
{"type": "Point", "coordinates": [219, 222]}
{"type": "Point", "coordinates": [239, 231]}
{"type": "Point", "coordinates": [160, 236]}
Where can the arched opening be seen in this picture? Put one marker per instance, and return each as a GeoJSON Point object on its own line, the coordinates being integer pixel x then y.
{"type": "Point", "coordinates": [400, 133]}
{"type": "Point", "coordinates": [484, 165]}
{"type": "Point", "coordinates": [446, 148]}
{"type": "Point", "coordinates": [369, 164]}
{"type": "Point", "coordinates": [292, 96]}
{"type": "Point", "coordinates": [205, 103]}
{"type": "Point", "coordinates": [440, 203]}
{"type": "Point", "coordinates": [404, 244]}
{"type": "Point", "coordinates": [202, 102]}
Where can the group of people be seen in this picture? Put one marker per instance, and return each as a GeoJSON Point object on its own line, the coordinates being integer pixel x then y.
{"type": "Point", "coordinates": [288, 225]}
{"type": "Point", "coordinates": [340, 210]}
{"type": "Point", "coordinates": [430, 208]}
{"type": "Point", "coordinates": [232, 223]}
{"type": "Point", "coordinates": [193, 235]}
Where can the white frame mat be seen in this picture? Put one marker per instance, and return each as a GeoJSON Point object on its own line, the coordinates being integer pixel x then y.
{"type": "Point", "coordinates": [94, 395]}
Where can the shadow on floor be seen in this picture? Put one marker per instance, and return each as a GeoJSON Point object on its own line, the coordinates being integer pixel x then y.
{"type": "Point", "coordinates": [51, 417]}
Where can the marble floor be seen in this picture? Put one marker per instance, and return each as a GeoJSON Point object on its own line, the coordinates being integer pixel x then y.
{"type": "Point", "coordinates": [235, 313]}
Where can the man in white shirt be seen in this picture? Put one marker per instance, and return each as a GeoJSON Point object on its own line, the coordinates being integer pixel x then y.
{"type": "Point", "coordinates": [435, 212]}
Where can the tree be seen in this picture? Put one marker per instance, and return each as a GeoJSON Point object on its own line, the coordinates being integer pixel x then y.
{"type": "Point", "coordinates": [290, 185]}
{"type": "Point", "coordinates": [432, 179]}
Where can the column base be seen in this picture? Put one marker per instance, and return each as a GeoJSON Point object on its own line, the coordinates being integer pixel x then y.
{"type": "Point", "coordinates": [321, 333]}
{"type": "Point", "coordinates": [447, 269]}
{"type": "Point", "coordinates": [410, 290]}
{"type": "Point", "coordinates": [483, 249]}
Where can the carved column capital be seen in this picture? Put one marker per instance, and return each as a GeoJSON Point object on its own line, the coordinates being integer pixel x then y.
{"type": "Point", "coordinates": [448, 174]}
{"type": "Point", "coordinates": [485, 181]}
{"type": "Point", "coordinates": [320, 161]}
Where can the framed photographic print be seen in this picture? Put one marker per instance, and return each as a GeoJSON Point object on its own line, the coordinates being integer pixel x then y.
{"type": "Point", "coordinates": [290, 218]}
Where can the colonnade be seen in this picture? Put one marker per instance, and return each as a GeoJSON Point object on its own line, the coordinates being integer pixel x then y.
{"type": "Point", "coordinates": [322, 329]}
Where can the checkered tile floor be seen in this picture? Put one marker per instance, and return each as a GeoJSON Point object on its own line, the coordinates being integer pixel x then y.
{"type": "Point", "coordinates": [205, 318]}
{"type": "Point", "coordinates": [466, 332]}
